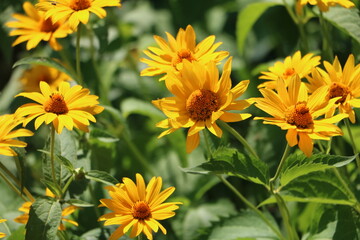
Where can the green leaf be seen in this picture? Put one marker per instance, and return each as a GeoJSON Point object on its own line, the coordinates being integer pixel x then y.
{"type": "Point", "coordinates": [101, 176]}
{"type": "Point", "coordinates": [79, 203]}
{"type": "Point", "coordinates": [245, 225]}
{"type": "Point", "coordinates": [66, 162]}
{"type": "Point", "coordinates": [18, 234]}
{"type": "Point", "coordinates": [297, 165]}
{"type": "Point", "coordinates": [44, 219]}
{"type": "Point", "coordinates": [345, 19]}
{"type": "Point", "coordinates": [54, 187]}
{"type": "Point", "coordinates": [137, 106]}
{"type": "Point", "coordinates": [230, 161]}
{"type": "Point", "coordinates": [103, 135]}
{"type": "Point", "coordinates": [247, 18]}
{"type": "Point", "coordinates": [49, 62]}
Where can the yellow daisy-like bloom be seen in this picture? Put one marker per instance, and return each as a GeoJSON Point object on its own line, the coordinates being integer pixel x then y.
{"type": "Point", "coordinates": [25, 208]}
{"type": "Point", "coordinates": [68, 107]}
{"type": "Point", "coordinates": [138, 206]}
{"type": "Point", "coordinates": [32, 77]}
{"type": "Point", "coordinates": [323, 4]}
{"type": "Point", "coordinates": [34, 28]}
{"type": "Point", "coordinates": [2, 235]}
{"type": "Point", "coordinates": [169, 57]}
{"type": "Point", "coordinates": [200, 99]}
{"type": "Point", "coordinates": [7, 124]}
{"type": "Point", "coordinates": [292, 65]}
{"type": "Point", "coordinates": [338, 82]}
{"type": "Point", "coordinates": [75, 11]}
{"type": "Point", "coordinates": [293, 110]}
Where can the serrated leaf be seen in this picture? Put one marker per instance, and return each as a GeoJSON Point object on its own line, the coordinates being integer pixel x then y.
{"type": "Point", "coordinates": [44, 219]}
{"type": "Point", "coordinates": [45, 61]}
{"type": "Point", "coordinates": [79, 203]}
{"type": "Point", "coordinates": [230, 161]}
{"type": "Point", "coordinates": [245, 225]}
{"type": "Point", "coordinates": [101, 176]}
{"type": "Point", "coordinates": [247, 18]}
{"type": "Point", "coordinates": [65, 162]}
{"type": "Point", "coordinates": [54, 187]}
{"type": "Point", "coordinates": [298, 165]}
{"type": "Point", "coordinates": [345, 19]}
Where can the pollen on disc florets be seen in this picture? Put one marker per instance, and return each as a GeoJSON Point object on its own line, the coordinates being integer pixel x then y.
{"type": "Point", "coordinates": [56, 104]}
{"type": "Point", "coordinates": [48, 26]}
{"type": "Point", "coordinates": [299, 116]}
{"type": "Point", "coordinates": [338, 90]}
{"type": "Point", "coordinates": [288, 72]}
{"type": "Point", "coordinates": [183, 54]}
{"type": "Point", "coordinates": [78, 5]}
{"type": "Point", "coordinates": [141, 210]}
{"type": "Point", "coordinates": [201, 104]}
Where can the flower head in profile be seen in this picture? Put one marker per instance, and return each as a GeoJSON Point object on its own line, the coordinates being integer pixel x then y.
{"type": "Point", "coordinates": [292, 65]}
{"type": "Point", "coordinates": [293, 110]}
{"type": "Point", "coordinates": [323, 4]}
{"type": "Point", "coordinates": [25, 208]}
{"type": "Point", "coordinates": [66, 107]}
{"type": "Point", "coordinates": [171, 54]}
{"type": "Point", "coordinates": [137, 206]}
{"type": "Point", "coordinates": [75, 11]}
{"type": "Point", "coordinates": [200, 98]}
{"type": "Point", "coordinates": [32, 77]}
{"type": "Point", "coordinates": [8, 123]}
{"type": "Point", "coordinates": [34, 28]}
{"type": "Point", "coordinates": [338, 82]}
{"type": "Point", "coordinates": [2, 235]}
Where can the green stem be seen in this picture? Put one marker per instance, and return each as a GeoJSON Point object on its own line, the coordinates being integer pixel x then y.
{"type": "Point", "coordinates": [65, 188]}
{"type": "Point", "coordinates": [12, 186]}
{"type": "Point", "coordinates": [286, 217]}
{"type": "Point", "coordinates": [207, 144]}
{"type": "Point", "coordinates": [348, 127]}
{"type": "Point", "coordinates": [328, 149]}
{"type": "Point", "coordinates": [240, 138]}
{"type": "Point", "coordinates": [281, 164]}
{"type": "Point", "coordinates": [252, 207]}
{"type": "Point", "coordinates": [6, 226]}
{"type": "Point", "coordinates": [52, 153]}
{"type": "Point", "coordinates": [94, 200]}
{"type": "Point", "coordinates": [326, 39]}
{"type": "Point", "coordinates": [27, 193]}
{"type": "Point", "coordinates": [78, 67]}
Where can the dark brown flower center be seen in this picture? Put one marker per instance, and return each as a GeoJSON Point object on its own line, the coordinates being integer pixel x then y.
{"type": "Point", "coordinates": [183, 54]}
{"type": "Point", "coordinates": [201, 104]}
{"type": "Point", "coordinates": [141, 210]}
{"type": "Point", "coordinates": [338, 90]}
{"type": "Point", "coordinates": [78, 5]}
{"type": "Point", "coordinates": [56, 104]}
{"type": "Point", "coordinates": [48, 26]}
{"type": "Point", "coordinates": [288, 72]}
{"type": "Point", "coordinates": [299, 116]}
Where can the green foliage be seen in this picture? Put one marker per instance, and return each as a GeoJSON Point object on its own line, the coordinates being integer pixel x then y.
{"type": "Point", "coordinates": [44, 219]}
{"type": "Point", "coordinates": [230, 161]}
{"type": "Point", "coordinates": [101, 176]}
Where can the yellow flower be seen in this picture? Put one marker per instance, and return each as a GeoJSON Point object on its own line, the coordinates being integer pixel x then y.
{"type": "Point", "coordinates": [2, 235]}
{"type": "Point", "coordinates": [338, 82]}
{"type": "Point", "coordinates": [292, 65]}
{"type": "Point", "coordinates": [323, 4]}
{"type": "Point", "coordinates": [169, 57]}
{"type": "Point", "coordinates": [138, 206]}
{"type": "Point", "coordinates": [200, 99]}
{"type": "Point", "coordinates": [75, 11]}
{"type": "Point", "coordinates": [33, 27]}
{"type": "Point", "coordinates": [68, 107]}
{"type": "Point", "coordinates": [7, 124]}
{"type": "Point", "coordinates": [32, 77]}
{"type": "Point", "coordinates": [25, 208]}
{"type": "Point", "coordinates": [293, 110]}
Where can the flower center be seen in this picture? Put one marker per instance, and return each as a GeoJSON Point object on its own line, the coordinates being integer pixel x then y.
{"type": "Point", "coordinates": [48, 26]}
{"type": "Point", "coordinates": [288, 72]}
{"type": "Point", "coordinates": [299, 116]}
{"type": "Point", "coordinates": [201, 104]}
{"type": "Point", "coordinates": [183, 54]}
{"type": "Point", "coordinates": [56, 104]}
{"type": "Point", "coordinates": [141, 210]}
{"type": "Point", "coordinates": [78, 5]}
{"type": "Point", "coordinates": [338, 90]}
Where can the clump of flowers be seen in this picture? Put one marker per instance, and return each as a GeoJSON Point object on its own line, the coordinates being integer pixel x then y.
{"type": "Point", "coordinates": [200, 98]}
{"type": "Point", "coordinates": [137, 206]}
{"type": "Point", "coordinates": [66, 107]}
{"type": "Point", "coordinates": [172, 53]}
{"type": "Point", "coordinates": [34, 28]}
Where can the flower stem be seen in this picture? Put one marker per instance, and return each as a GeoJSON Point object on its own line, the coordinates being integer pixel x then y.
{"type": "Point", "coordinates": [78, 68]}
{"type": "Point", "coordinates": [52, 153]}
{"type": "Point", "coordinates": [12, 186]}
{"type": "Point", "coordinates": [65, 188]}
{"type": "Point", "coordinates": [281, 164]}
{"type": "Point", "coordinates": [252, 207]}
{"type": "Point", "coordinates": [347, 123]}
{"type": "Point", "coordinates": [207, 144]}
{"type": "Point", "coordinates": [240, 138]}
